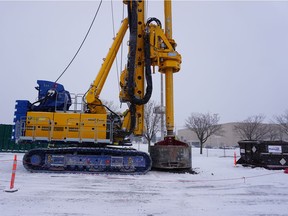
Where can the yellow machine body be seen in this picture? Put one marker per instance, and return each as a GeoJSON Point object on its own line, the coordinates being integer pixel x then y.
{"type": "Point", "coordinates": [67, 127]}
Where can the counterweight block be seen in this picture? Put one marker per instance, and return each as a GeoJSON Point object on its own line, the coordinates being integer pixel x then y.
{"type": "Point", "coordinates": [171, 154]}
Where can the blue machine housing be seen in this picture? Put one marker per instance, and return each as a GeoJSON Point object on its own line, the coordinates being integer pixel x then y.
{"type": "Point", "coordinates": [21, 109]}
{"type": "Point", "coordinates": [51, 96]}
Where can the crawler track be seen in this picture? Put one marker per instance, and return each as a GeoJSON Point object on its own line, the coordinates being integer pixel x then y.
{"type": "Point", "coordinates": [87, 160]}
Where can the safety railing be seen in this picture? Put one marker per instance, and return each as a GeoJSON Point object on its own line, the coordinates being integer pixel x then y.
{"type": "Point", "coordinates": [77, 103]}
{"type": "Point", "coordinates": [86, 130]}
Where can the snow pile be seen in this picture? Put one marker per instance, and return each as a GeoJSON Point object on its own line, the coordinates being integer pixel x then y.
{"type": "Point", "coordinates": [219, 188]}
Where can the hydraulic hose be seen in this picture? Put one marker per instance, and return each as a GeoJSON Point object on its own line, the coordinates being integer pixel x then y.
{"type": "Point", "coordinates": [133, 22]}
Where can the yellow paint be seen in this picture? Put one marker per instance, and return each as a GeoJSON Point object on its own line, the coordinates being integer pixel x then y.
{"type": "Point", "coordinates": [92, 97]}
{"type": "Point", "coordinates": [66, 126]}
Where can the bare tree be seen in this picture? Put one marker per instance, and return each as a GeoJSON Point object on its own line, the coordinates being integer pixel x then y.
{"type": "Point", "coordinates": [275, 132]}
{"type": "Point", "coordinates": [204, 125]}
{"type": "Point", "coordinates": [252, 128]}
{"type": "Point", "coordinates": [152, 122]}
{"type": "Point", "coordinates": [282, 121]}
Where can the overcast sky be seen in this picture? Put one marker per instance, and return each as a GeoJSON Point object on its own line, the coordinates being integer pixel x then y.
{"type": "Point", "coordinates": [235, 54]}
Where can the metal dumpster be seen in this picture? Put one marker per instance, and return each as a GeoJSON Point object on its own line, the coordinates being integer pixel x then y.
{"type": "Point", "coordinates": [267, 154]}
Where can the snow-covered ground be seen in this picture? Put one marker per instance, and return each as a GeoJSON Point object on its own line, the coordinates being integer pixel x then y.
{"type": "Point", "coordinates": [220, 188]}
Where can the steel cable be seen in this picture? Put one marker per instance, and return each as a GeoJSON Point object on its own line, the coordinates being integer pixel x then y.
{"type": "Point", "coordinates": [96, 13]}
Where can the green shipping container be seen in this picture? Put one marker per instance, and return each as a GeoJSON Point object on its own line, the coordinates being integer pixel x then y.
{"type": "Point", "coordinates": [9, 145]}
{"type": "Point", "coordinates": [5, 137]}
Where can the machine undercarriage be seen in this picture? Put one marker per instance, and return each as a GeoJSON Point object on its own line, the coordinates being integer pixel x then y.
{"type": "Point", "coordinates": [89, 160]}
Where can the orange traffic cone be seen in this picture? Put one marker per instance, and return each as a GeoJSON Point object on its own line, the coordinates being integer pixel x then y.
{"type": "Point", "coordinates": [235, 159]}
{"type": "Point", "coordinates": [13, 176]}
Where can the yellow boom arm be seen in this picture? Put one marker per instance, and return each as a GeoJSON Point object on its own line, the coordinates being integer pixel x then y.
{"type": "Point", "coordinates": [149, 46]}
{"type": "Point", "coordinates": [92, 97]}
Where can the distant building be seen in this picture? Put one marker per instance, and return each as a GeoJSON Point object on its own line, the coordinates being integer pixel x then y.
{"type": "Point", "coordinates": [228, 138]}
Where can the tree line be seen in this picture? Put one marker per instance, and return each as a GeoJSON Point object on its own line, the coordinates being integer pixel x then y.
{"type": "Point", "coordinates": [252, 128]}
{"type": "Point", "coordinates": [205, 125]}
